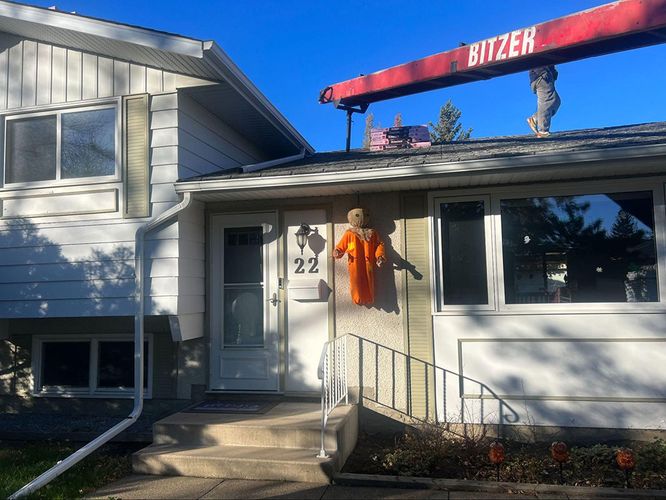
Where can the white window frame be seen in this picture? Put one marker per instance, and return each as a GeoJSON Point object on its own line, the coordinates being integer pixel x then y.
{"type": "Point", "coordinates": [92, 391]}
{"type": "Point", "coordinates": [439, 251]}
{"type": "Point", "coordinates": [58, 112]}
{"type": "Point", "coordinates": [656, 185]}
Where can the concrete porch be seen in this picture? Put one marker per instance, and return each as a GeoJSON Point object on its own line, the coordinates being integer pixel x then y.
{"type": "Point", "coordinates": [281, 444]}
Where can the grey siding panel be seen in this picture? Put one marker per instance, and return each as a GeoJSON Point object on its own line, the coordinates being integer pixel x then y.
{"type": "Point", "coordinates": [4, 74]}
{"type": "Point", "coordinates": [153, 80]}
{"type": "Point", "coordinates": [121, 77]}
{"type": "Point", "coordinates": [137, 79]}
{"type": "Point", "coordinates": [74, 75]}
{"type": "Point", "coordinates": [191, 263]}
{"type": "Point", "coordinates": [104, 77]}
{"type": "Point", "coordinates": [29, 83]}
{"type": "Point", "coordinates": [15, 76]}
{"type": "Point", "coordinates": [89, 77]}
{"type": "Point", "coordinates": [43, 74]}
{"type": "Point", "coordinates": [59, 75]}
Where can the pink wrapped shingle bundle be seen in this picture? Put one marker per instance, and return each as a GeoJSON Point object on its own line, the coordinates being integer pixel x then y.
{"type": "Point", "coordinates": [415, 136]}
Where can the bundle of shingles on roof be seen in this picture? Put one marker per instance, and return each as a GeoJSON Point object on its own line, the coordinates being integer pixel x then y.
{"type": "Point", "coordinates": [414, 136]}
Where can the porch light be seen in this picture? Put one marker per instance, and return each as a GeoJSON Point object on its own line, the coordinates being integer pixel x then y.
{"type": "Point", "coordinates": [302, 236]}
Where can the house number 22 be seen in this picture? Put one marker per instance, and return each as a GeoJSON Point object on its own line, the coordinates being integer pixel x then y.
{"type": "Point", "coordinates": [300, 265]}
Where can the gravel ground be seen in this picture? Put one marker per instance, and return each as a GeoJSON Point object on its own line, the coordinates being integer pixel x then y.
{"type": "Point", "coordinates": [57, 425]}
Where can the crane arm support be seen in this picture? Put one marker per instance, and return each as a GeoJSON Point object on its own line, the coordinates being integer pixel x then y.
{"type": "Point", "coordinates": [613, 27]}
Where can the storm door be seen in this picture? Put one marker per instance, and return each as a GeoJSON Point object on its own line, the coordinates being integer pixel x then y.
{"type": "Point", "coordinates": [244, 303]}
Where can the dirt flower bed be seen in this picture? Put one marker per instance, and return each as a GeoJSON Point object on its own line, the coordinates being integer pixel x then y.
{"type": "Point", "coordinates": [434, 452]}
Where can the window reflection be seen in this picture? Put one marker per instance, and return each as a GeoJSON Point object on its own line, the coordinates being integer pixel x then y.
{"type": "Point", "coordinates": [579, 249]}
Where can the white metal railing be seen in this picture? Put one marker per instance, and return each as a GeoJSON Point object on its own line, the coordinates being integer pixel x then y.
{"type": "Point", "coordinates": [332, 372]}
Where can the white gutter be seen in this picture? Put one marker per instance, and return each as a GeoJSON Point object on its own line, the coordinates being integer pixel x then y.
{"type": "Point", "coordinates": [255, 167]}
{"type": "Point", "coordinates": [418, 171]}
{"type": "Point", "coordinates": [82, 453]}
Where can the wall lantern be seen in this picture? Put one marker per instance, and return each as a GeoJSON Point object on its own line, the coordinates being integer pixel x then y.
{"type": "Point", "coordinates": [302, 236]}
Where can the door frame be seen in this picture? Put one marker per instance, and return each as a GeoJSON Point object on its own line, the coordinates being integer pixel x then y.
{"type": "Point", "coordinates": [271, 351]}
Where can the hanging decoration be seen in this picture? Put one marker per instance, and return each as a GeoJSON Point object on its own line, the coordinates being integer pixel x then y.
{"type": "Point", "coordinates": [364, 250]}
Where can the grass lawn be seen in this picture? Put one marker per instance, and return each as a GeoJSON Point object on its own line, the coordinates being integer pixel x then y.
{"type": "Point", "coordinates": [21, 462]}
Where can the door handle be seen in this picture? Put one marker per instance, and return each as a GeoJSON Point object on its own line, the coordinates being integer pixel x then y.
{"type": "Point", "coordinates": [274, 299]}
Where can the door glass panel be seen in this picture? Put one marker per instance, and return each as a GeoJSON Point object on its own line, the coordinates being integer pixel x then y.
{"type": "Point", "coordinates": [244, 316]}
{"type": "Point", "coordinates": [243, 261]}
{"type": "Point", "coordinates": [243, 287]}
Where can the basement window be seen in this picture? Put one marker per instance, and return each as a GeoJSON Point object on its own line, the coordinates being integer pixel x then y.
{"type": "Point", "coordinates": [87, 365]}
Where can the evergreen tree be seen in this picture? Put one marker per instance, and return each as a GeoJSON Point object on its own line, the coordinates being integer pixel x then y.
{"type": "Point", "coordinates": [447, 128]}
{"type": "Point", "coordinates": [624, 226]}
{"type": "Point", "coordinates": [397, 121]}
{"type": "Point", "coordinates": [369, 119]}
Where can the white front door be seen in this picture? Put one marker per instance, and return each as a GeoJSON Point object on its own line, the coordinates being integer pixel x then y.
{"type": "Point", "coordinates": [244, 302]}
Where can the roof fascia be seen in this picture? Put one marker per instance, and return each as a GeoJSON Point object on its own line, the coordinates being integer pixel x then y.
{"type": "Point", "coordinates": [103, 29]}
{"type": "Point", "coordinates": [419, 171]}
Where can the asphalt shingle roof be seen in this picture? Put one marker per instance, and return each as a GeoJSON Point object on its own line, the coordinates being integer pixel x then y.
{"type": "Point", "coordinates": [473, 149]}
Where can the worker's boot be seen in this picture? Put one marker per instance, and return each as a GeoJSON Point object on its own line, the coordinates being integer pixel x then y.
{"type": "Point", "coordinates": [533, 125]}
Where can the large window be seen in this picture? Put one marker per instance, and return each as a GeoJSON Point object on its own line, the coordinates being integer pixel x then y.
{"type": "Point", "coordinates": [579, 249]}
{"type": "Point", "coordinates": [550, 250]}
{"type": "Point", "coordinates": [61, 145]}
{"type": "Point", "coordinates": [85, 365]}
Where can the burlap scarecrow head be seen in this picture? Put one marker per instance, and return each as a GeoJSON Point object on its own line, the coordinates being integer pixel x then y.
{"type": "Point", "coordinates": [359, 217]}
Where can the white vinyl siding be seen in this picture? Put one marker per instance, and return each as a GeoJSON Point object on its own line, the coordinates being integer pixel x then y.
{"type": "Point", "coordinates": [84, 269]}
{"type": "Point", "coordinates": [206, 144]}
{"type": "Point", "coordinates": [34, 74]}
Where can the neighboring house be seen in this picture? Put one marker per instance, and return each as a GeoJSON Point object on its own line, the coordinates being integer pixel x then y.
{"type": "Point", "coordinates": [525, 280]}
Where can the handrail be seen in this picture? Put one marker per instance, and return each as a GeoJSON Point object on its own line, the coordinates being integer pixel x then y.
{"type": "Point", "coordinates": [332, 371]}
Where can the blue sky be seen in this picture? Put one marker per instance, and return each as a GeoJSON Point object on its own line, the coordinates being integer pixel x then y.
{"type": "Point", "coordinates": [292, 49]}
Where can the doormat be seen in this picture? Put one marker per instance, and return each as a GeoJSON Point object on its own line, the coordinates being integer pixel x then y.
{"type": "Point", "coordinates": [222, 406]}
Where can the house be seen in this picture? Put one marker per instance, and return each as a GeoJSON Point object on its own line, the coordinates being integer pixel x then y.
{"type": "Point", "coordinates": [525, 279]}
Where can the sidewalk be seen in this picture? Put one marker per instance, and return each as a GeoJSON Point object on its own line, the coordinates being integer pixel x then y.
{"type": "Point", "coordinates": [168, 487]}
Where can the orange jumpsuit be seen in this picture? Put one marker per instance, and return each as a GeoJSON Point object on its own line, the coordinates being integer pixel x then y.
{"type": "Point", "coordinates": [362, 257]}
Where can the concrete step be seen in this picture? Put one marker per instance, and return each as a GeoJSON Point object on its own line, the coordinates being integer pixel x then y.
{"type": "Point", "coordinates": [288, 425]}
{"type": "Point", "coordinates": [236, 462]}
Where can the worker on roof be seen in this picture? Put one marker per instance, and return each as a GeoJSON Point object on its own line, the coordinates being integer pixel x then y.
{"type": "Point", "coordinates": [542, 81]}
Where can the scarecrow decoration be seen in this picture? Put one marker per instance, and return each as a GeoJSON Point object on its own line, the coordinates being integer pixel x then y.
{"type": "Point", "coordinates": [364, 250]}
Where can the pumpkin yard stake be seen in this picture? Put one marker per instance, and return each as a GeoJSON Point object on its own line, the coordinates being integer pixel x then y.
{"type": "Point", "coordinates": [626, 461]}
{"type": "Point", "coordinates": [496, 455]}
{"type": "Point", "coordinates": [560, 453]}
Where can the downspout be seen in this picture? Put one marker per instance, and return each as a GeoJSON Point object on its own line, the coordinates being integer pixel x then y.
{"type": "Point", "coordinates": [83, 452]}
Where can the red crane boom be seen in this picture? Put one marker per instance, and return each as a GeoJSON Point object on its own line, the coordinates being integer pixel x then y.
{"type": "Point", "coordinates": [613, 27]}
